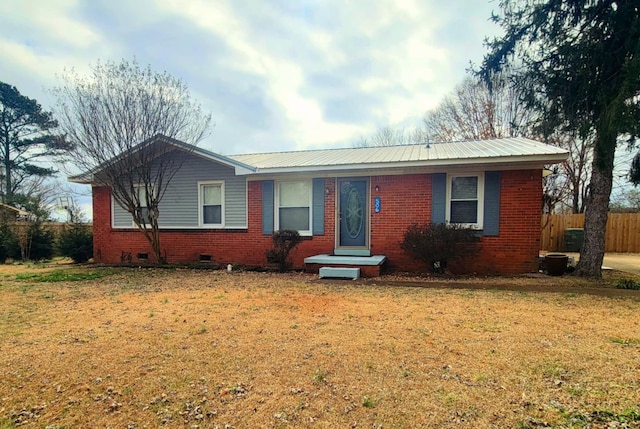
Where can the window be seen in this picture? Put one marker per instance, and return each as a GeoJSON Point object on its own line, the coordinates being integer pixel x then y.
{"type": "Point", "coordinates": [144, 209]}
{"type": "Point", "coordinates": [211, 198]}
{"type": "Point", "coordinates": [293, 206]}
{"type": "Point", "coordinates": [465, 203]}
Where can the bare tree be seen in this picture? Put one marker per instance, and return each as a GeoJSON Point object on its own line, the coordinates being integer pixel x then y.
{"type": "Point", "coordinates": [576, 168]}
{"type": "Point", "coordinates": [389, 136]}
{"type": "Point", "coordinates": [627, 201]}
{"type": "Point", "coordinates": [477, 111]}
{"type": "Point", "coordinates": [127, 124]}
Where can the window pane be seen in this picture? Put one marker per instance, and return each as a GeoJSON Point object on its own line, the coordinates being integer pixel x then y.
{"type": "Point", "coordinates": [142, 196]}
{"type": "Point", "coordinates": [464, 212]}
{"type": "Point", "coordinates": [296, 218]}
{"type": "Point", "coordinates": [212, 214]}
{"type": "Point", "coordinates": [295, 194]}
{"type": "Point", "coordinates": [464, 188]}
{"type": "Point", "coordinates": [212, 195]}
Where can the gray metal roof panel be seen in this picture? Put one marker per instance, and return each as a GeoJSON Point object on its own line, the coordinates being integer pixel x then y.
{"type": "Point", "coordinates": [467, 150]}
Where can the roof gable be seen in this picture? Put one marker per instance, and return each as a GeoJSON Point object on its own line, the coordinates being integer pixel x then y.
{"type": "Point", "coordinates": [239, 167]}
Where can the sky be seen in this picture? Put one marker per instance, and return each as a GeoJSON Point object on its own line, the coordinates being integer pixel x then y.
{"type": "Point", "coordinates": [275, 75]}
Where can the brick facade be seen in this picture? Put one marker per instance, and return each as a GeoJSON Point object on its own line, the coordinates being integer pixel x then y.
{"type": "Point", "coordinates": [405, 199]}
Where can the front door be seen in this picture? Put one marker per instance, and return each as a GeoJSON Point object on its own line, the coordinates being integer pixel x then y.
{"type": "Point", "coordinates": [353, 212]}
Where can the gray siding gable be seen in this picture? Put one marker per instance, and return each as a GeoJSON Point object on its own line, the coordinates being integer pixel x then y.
{"type": "Point", "coordinates": [179, 206]}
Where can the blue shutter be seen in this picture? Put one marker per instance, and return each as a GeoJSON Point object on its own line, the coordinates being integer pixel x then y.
{"type": "Point", "coordinates": [491, 203]}
{"type": "Point", "coordinates": [317, 214]}
{"type": "Point", "coordinates": [438, 197]}
{"type": "Point", "coordinates": [267, 207]}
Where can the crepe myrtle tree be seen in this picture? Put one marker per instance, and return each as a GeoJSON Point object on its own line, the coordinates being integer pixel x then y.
{"type": "Point", "coordinates": [578, 63]}
{"type": "Point", "coordinates": [127, 122]}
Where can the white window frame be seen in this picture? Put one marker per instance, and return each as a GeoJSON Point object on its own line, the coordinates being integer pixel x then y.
{"type": "Point", "coordinates": [201, 223]}
{"type": "Point", "coordinates": [276, 205]}
{"type": "Point", "coordinates": [480, 198]}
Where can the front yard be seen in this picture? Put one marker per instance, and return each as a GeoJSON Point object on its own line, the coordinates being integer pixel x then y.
{"type": "Point", "coordinates": [182, 348]}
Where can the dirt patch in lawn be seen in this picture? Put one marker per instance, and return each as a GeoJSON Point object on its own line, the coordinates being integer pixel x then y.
{"type": "Point", "coordinates": [183, 348]}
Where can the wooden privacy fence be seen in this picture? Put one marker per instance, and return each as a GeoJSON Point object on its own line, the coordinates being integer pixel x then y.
{"type": "Point", "coordinates": [622, 235]}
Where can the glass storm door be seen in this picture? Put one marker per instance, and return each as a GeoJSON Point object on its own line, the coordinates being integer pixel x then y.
{"type": "Point", "coordinates": [353, 213]}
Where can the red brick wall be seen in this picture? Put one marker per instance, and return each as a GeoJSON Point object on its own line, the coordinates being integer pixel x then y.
{"type": "Point", "coordinates": [517, 247]}
{"type": "Point", "coordinates": [405, 199]}
{"type": "Point", "coordinates": [246, 246]}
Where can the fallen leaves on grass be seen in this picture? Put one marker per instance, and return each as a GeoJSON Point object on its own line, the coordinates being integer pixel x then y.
{"type": "Point", "coordinates": [268, 350]}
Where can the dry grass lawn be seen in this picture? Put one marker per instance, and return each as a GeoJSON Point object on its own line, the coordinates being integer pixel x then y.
{"type": "Point", "coordinates": [151, 348]}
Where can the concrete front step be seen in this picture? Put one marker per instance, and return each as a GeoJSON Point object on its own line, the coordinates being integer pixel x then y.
{"type": "Point", "coordinates": [339, 273]}
{"type": "Point", "coordinates": [369, 266]}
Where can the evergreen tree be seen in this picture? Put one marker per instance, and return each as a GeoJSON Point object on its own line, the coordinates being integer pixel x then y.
{"type": "Point", "coordinates": [579, 63]}
{"type": "Point", "coordinates": [26, 137]}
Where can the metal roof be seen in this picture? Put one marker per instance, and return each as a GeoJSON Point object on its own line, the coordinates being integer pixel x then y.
{"type": "Point", "coordinates": [494, 151]}
{"type": "Point", "coordinates": [514, 149]}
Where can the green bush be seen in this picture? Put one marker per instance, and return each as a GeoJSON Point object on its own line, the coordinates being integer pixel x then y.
{"type": "Point", "coordinates": [9, 247]}
{"type": "Point", "coordinates": [437, 244]}
{"type": "Point", "coordinates": [42, 242]}
{"type": "Point", "coordinates": [628, 284]}
{"type": "Point", "coordinates": [26, 241]}
{"type": "Point", "coordinates": [76, 242]}
{"type": "Point", "coordinates": [284, 242]}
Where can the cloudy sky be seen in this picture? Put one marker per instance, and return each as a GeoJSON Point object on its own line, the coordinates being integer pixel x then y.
{"type": "Point", "coordinates": [275, 74]}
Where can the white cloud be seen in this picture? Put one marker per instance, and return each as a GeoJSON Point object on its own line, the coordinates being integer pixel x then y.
{"type": "Point", "coordinates": [276, 75]}
{"type": "Point", "coordinates": [321, 73]}
{"type": "Point", "coordinates": [285, 78]}
{"type": "Point", "coordinates": [50, 20]}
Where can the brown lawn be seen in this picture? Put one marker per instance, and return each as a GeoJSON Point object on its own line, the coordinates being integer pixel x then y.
{"type": "Point", "coordinates": [181, 348]}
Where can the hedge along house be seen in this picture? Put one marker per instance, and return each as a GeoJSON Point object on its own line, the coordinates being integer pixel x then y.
{"type": "Point", "coordinates": [352, 206]}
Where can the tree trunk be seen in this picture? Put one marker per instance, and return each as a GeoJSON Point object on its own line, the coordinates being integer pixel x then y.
{"type": "Point", "coordinates": [155, 236]}
{"type": "Point", "coordinates": [596, 213]}
{"type": "Point", "coordinates": [155, 244]}
{"type": "Point", "coordinates": [8, 195]}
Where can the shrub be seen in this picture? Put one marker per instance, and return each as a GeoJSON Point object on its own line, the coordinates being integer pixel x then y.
{"type": "Point", "coordinates": [437, 244]}
{"type": "Point", "coordinates": [28, 241]}
{"type": "Point", "coordinates": [42, 242]}
{"type": "Point", "coordinates": [283, 243]}
{"type": "Point", "coordinates": [76, 242]}
{"type": "Point", "coordinates": [8, 244]}
{"type": "Point", "coordinates": [628, 284]}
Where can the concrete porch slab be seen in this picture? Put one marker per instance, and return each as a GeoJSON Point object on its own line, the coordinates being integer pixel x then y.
{"type": "Point", "coordinates": [346, 260]}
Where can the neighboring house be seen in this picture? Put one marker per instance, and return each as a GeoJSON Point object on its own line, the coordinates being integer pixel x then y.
{"type": "Point", "coordinates": [352, 202]}
{"type": "Point", "coordinates": [11, 214]}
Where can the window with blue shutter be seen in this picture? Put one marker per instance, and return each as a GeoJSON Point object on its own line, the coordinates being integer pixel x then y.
{"type": "Point", "coordinates": [318, 207]}
{"type": "Point", "coordinates": [492, 203]}
{"type": "Point", "coordinates": [438, 197]}
{"type": "Point", "coordinates": [267, 207]}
